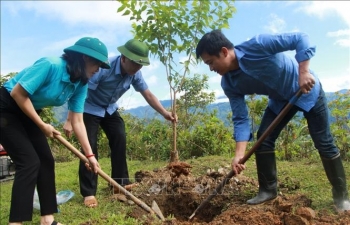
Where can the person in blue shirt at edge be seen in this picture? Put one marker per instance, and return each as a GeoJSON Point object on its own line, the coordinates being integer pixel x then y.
{"type": "Point", "coordinates": [50, 81]}
{"type": "Point", "coordinates": [260, 66]}
{"type": "Point", "coordinates": [101, 109]}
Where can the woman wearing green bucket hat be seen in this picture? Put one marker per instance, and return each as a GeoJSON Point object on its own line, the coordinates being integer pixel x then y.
{"type": "Point", "coordinates": [101, 109]}
{"type": "Point", "coordinates": [50, 81]}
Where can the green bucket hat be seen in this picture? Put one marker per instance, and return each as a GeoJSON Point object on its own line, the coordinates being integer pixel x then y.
{"type": "Point", "coordinates": [92, 47]}
{"type": "Point", "coordinates": [136, 51]}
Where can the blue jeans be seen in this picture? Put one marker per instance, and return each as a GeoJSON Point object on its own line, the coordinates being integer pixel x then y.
{"type": "Point", "coordinates": [318, 123]}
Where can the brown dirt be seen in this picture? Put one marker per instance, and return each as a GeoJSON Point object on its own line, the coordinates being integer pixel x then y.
{"type": "Point", "coordinates": [178, 194]}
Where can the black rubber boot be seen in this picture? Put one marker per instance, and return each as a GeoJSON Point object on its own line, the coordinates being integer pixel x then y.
{"type": "Point", "coordinates": [267, 177]}
{"type": "Point", "coordinates": [336, 176]}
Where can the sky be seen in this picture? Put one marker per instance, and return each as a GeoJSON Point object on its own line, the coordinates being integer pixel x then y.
{"type": "Point", "coordinates": [34, 29]}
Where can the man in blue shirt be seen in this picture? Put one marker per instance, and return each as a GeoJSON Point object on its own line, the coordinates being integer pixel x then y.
{"type": "Point", "coordinates": [105, 88]}
{"type": "Point", "coordinates": [260, 66]}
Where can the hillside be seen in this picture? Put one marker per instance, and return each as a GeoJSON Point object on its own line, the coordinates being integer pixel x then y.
{"type": "Point", "coordinates": [223, 108]}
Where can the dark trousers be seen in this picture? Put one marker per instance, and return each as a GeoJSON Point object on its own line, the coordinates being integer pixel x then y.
{"type": "Point", "coordinates": [28, 148]}
{"type": "Point", "coordinates": [114, 128]}
{"type": "Point", "coordinates": [318, 123]}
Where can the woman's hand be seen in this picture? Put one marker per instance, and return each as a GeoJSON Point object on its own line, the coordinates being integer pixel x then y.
{"type": "Point", "coordinates": [94, 165]}
{"type": "Point", "coordinates": [49, 130]}
{"type": "Point", "coordinates": [68, 129]}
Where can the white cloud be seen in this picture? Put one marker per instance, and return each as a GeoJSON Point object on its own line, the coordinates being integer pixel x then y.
{"type": "Point", "coordinates": [152, 80]}
{"type": "Point", "coordinates": [323, 9]}
{"type": "Point", "coordinates": [339, 33]}
{"type": "Point", "coordinates": [275, 24]}
{"type": "Point", "coordinates": [220, 96]}
{"type": "Point", "coordinates": [342, 42]}
{"type": "Point", "coordinates": [154, 66]}
{"type": "Point", "coordinates": [335, 83]}
{"type": "Point", "coordinates": [96, 18]}
{"type": "Point", "coordinates": [343, 37]}
{"type": "Point", "coordinates": [73, 13]}
{"type": "Point", "coordinates": [131, 99]}
{"type": "Point", "coordinates": [216, 79]}
{"type": "Point", "coordinates": [332, 84]}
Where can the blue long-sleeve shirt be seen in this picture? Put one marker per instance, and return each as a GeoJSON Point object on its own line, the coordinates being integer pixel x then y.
{"type": "Point", "coordinates": [108, 85]}
{"type": "Point", "coordinates": [265, 69]}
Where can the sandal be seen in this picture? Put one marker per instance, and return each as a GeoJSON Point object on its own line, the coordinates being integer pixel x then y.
{"type": "Point", "coordinates": [127, 187]}
{"type": "Point", "coordinates": [90, 202]}
{"type": "Point", "coordinates": [122, 198]}
{"type": "Point", "coordinates": [54, 223]}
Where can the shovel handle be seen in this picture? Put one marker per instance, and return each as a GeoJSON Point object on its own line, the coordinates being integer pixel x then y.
{"type": "Point", "coordinates": [108, 178]}
{"type": "Point", "coordinates": [272, 126]}
{"type": "Point", "coordinates": [267, 132]}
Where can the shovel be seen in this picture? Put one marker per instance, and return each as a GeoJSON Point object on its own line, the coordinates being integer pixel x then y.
{"type": "Point", "coordinates": [267, 132]}
{"type": "Point", "coordinates": [154, 210]}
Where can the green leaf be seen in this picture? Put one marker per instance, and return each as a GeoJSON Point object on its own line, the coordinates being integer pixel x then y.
{"type": "Point", "coordinates": [127, 12]}
{"type": "Point", "coordinates": [121, 8]}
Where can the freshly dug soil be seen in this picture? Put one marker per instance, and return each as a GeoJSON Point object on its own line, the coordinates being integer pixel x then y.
{"type": "Point", "coordinates": [178, 194]}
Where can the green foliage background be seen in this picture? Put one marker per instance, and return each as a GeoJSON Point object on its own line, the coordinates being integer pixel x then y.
{"type": "Point", "coordinates": [202, 138]}
{"type": "Point", "coordinates": [201, 133]}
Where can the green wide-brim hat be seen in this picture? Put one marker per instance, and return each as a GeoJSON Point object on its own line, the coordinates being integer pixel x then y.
{"type": "Point", "coordinates": [92, 47]}
{"type": "Point", "coordinates": [136, 51]}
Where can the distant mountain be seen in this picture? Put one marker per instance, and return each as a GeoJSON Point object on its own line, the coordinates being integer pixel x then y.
{"type": "Point", "coordinates": [147, 111]}
{"type": "Point", "coordinates": [223, 108]}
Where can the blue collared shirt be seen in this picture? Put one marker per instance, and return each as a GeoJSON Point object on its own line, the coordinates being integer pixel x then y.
{"type": "Point", "coordinates": [265, 69]}
{"type": "Point", "coordinates": [108, 85]}
{"type": "Point", "coordinates": [48, 84]}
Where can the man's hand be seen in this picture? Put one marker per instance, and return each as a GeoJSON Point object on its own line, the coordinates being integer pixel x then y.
{"type": "Point", "coordinates": [239, 154]}
{"type": "Point", "coordinates": [170, 116]}
{"type": "Point", "coordinates": [306, 80]}
{"type": "Point", "coordinates": [236, 166]}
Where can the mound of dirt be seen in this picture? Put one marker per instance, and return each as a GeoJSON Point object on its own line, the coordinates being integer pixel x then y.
{"type": "Point", "coordinates": [178, 194]}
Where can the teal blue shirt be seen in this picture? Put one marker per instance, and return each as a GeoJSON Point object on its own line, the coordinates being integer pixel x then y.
{"type": "Point", "coordinates": [48, 84]}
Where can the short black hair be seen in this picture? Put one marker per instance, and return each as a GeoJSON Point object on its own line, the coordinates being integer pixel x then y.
{"type": "Point", "coordinates": [75, 66]}
{"type": "Point", "coordinates": [212, 42]}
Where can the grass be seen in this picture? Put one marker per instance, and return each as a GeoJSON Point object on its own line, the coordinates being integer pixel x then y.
{"type": "Point", "coordinates": [308, 173]}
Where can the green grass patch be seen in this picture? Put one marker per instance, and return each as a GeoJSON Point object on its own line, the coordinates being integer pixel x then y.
{"type": "Point", "coordinates": [300, 177]}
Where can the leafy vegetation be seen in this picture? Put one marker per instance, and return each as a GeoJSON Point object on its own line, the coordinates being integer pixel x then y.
{"type": "Point", "coordinates": [174, 27]}
{"type": "Point", "coordinates": [203, 140]}
{"type": "Point", "coordinates": [202, 133]}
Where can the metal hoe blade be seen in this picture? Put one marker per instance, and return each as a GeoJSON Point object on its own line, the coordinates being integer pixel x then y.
{"type": "Point", "coordinates": [267, 132]}
{"type": "Point", "coordinates": [156, 209]}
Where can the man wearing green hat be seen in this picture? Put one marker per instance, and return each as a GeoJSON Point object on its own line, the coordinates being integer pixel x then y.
{"type": "Point", "coordinates": [101, 109]}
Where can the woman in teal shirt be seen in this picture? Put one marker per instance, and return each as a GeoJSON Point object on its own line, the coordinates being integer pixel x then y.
{"type": "Point", "coordinates": [50, 81]}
